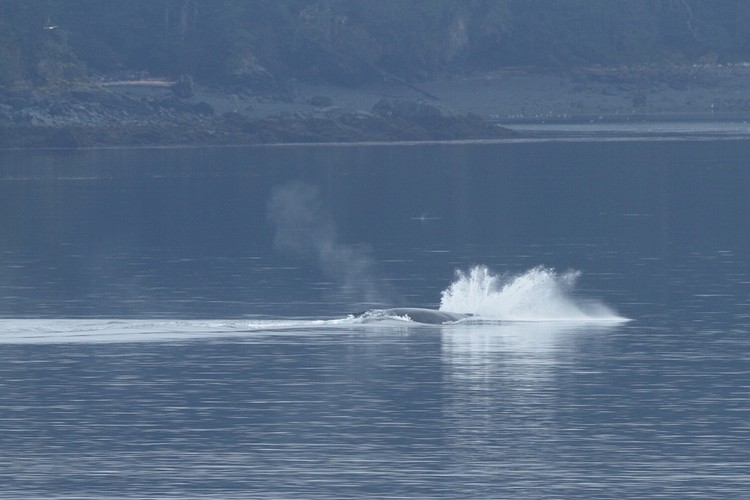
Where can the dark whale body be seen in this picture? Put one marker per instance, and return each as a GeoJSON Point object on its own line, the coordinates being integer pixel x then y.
{"type": "Point", "coordinates": [418, 315]}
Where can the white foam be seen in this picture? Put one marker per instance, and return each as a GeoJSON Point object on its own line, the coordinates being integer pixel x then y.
{"type": "Point", "coordinates": [539, 294]}
{"type": "Point", "coordinates": [43, 331]}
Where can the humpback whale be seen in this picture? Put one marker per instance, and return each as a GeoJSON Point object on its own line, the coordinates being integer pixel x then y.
{"type": "Point", "coordinates": [416, 314]}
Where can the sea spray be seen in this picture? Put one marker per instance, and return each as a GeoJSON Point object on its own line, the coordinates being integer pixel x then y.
{"type": "Point", "coordinates": [539, 294]}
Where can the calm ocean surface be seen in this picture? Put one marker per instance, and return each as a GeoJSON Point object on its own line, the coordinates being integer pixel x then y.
{"type": "Point", "coordinates": [178, 322]}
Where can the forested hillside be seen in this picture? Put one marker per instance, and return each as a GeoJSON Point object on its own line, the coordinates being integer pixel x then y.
{"type": "Point", "coordinates": [353, 41]}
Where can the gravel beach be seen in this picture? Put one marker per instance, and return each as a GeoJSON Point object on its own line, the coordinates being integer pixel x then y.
{"type": "Point", "coordinates": [451, 107]}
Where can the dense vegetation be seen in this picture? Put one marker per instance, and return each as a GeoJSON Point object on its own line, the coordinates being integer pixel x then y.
{"type": "Point", "coordinates": [353, 41]}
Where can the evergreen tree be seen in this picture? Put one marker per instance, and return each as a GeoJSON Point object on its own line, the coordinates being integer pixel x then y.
{"type": "Point", "coordinates": [355, 41]}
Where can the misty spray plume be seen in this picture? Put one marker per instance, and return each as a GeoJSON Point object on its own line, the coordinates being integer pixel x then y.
{"type": "Point", "coordinates": [305, 227]}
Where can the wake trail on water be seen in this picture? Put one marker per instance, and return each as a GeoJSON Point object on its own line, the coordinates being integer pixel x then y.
{"type": "Point", "coordinates": [53, 331]}
{"type": "Point", "coordinates": [539, 294]}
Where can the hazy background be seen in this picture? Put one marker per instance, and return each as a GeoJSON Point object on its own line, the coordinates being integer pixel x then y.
{"type": "Point", "coordinates": [351, 42]}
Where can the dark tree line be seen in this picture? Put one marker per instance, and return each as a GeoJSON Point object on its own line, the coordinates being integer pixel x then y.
{"type": "Point", "coordinates": [354, 41]}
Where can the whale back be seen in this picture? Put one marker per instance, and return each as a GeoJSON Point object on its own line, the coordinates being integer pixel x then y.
{"type": "Point", "coordinates": [418, 315]}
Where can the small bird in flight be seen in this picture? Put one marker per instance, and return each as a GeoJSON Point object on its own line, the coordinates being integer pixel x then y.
{"type": "Point", "coordinates": [49, 25]}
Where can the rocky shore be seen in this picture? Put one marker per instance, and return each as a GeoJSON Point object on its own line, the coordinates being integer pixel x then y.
{"type": "Point", "coordinates": [151, 112]}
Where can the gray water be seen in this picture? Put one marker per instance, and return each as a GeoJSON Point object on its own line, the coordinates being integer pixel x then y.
{"type": "Point", "coordinates": [175, 322]}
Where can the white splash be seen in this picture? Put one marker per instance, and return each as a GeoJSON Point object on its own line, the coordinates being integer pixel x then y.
{"type": "Point", "coordinates": [539, 294]}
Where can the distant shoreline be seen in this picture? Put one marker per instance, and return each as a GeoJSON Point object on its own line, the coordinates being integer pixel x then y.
{"type": "Point", "coordinates": [466, 107]}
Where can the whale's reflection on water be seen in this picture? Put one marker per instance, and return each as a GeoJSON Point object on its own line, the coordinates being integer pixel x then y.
{"type": "Point", "coordinates": [519, 350]}
{"type": "Point", "coordinates": [510, 390]}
